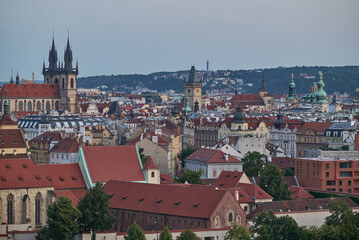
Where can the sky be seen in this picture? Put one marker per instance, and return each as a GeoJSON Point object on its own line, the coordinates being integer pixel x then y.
{"type": "Point", "coordinates": [144, 36]}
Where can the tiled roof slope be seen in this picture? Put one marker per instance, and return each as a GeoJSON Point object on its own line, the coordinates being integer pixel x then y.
{"type": "Point", "coordinates": [150, 164]}
{"type": "Point", "coordinates": [228, 179]}
{"type": "Point", "coordinates": [21, 173]}
{"type": "Point", "coordinates": [48, 137]}
{"type": "Point", "coordinates": [63, 176]}
{"type": "Point", "coordinates": [11, 138]}
{"type": "Point", "coordinates": [211, 156]}
{"type": "Point", "coordinates": [12, 90]}
{"type": "Point", "coordinates": [113, 163]}
{"type": "Point", "coordinates": [318, 204]}
{"type": "Point", "coordinates": [318, 127]}
{"type": "Point", "coordinates": [164, 199]}
{"type": "Point", "coordinates": [67, 145]}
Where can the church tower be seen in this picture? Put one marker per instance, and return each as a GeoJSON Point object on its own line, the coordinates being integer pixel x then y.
{"type": "Point", "coordinates": [63, 75]}
{"type": "Point", "coordinates": [193, 89]}
{"type": "Point", "coordinates": [292, 91]}
{"type": "Point", "coordinates": [263, 90]}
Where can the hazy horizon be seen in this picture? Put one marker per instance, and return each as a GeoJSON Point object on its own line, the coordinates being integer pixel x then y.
{"type": "Point", "coordinates": [142, 37]}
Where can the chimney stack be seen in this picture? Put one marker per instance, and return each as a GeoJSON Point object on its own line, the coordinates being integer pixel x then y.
{"type": "Point", "coordinates": [236, 195]}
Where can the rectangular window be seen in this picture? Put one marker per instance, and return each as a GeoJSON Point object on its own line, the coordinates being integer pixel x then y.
{"type": "Point", "coordinates": [331, 183]}
{"type": "Point", "coordinates": [345, 174]}
{"type": "Point", "coordinates": [349, 182]}
{"type": "Point", "coordinates": [327, 174]}
{"type": "Point", "coordinates": [349, 191]}
{"type": "Point", "coordinates": [340, 183]}
{"type": "Point", "coordinates": [344, 165]}
{"type": "Point", "coordinates": [327, 166]}
{"type": "Point", "coordinates": [214, 173]}
{"type": "Point", "coordinates": [340, 190]}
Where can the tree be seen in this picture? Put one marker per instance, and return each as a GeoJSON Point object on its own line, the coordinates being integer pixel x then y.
{"type": "Point", "coordinates": [193, 177]}
{"type": "Point", "coordinates": [339, 209]}
{"type": "Point", "coordinates": [237, 233]}
{"type": "Point", "coordinates": [185, 153]}
{"type": "Point", "coordinates": [253, 162]}
{"type": "Point", "coordinates": [135, 232]}
{"type": "Point", "coordinates": [94, 208]}
{"type": "Point", "coordinates": [61, 222]}
{"type": "Point", "coordinates": [142, 156]}
{"type": "Point", "coordinates": [271, 181]}
{"type": "Point", "coordinates": [165, 234]}
{"type": "Point", "coordinates": [289, 171]}
{"type": "Point", "coordinates": [187, 235]}
{"type": "Point", "coordinates": [268, 226]}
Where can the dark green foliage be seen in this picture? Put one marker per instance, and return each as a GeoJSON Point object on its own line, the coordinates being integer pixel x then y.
{"type": "Point", "coordinates": [185, 153]}
{"type": "Point", "coordinates": [61, 222]}
{"type": "Point", "coordinates": [94, 208]}
{"type": "Point", "coordinates": [237, 233]}
{"type": "Point", "coordinates": [135, 232]}
{"type": "Point", "coordinates": [331, 195]}
{"type": "Point", "coordinates": [187, 235]}
{"type": "Point", "coordinates": [189, 176]}
{"type": "Point", "coordinates": [142, 156]}
{"type": "Point", "coordinates": [253, 162]}
{"type": "Point", "coordinates": [165, 234]}
{"type": "Point", "coordinates": [289, 171]}
{"type": "Point", "coordinates": [339, 210]}
{"type": "Point", "coordinates": [268, 226]}
{"type": "Point", "coordinates": [271, 181]}
{"type": "Point", "coordinates": [339, 79]}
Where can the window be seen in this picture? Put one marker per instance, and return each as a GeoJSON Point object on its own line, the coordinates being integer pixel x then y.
{"type": "Point", "coordinates": [331, 183]}
{"type": "Point", "coordinates": [38, 209]}
{"type": "Point", "coordinates": [214, 173]}
{"type": "Point", "coordinates": [230, 217]}
{"type": "Point", "coordinates": [153, 174]}
{"type": "Point", "coordinates": [340, 183]}
{"type": "Point", "coordinates": [327, 174]}
{"type": "Point", "coordinates": [344, 165]}
{"type": "Point", "coordinates": [327, 166]}
{"type": "Point", "coordinates": [72, 83]}
{"type": "Point", "coordinates": [349, 191]}
{"type": "Point", "coordinates": [349, 182]}
{"type": "Point", "coordinates": [345, 174]}
{"type": "Point", "coordinates": [10, 209]}
{"type": "Point", "coordinates": [340, 190]}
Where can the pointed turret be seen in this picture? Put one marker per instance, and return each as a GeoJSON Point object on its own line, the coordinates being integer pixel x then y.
{"type": "Point", "coordinates": [263, 86]}
{"type": "Point", "coordinates": [292, 91]}
{"type": "Point", "coordinates": [53, 56]}
{"type": "Point", "coordinates": [186, 110]}
{"type": "Point", "coordinates": [17, 78]}
{"type": "Point", "coordinates": [68, 56]}
{"type": "Point", "coordinates": [43, 67]}
{"type": "Point", "coordinates": [193, 76]}
{"type": "Point", "coordinates": [11, 78]}
{"type": "Point", "coordinates": [77, 66]}
{"type": "Point", "coordinates": [6, 106]}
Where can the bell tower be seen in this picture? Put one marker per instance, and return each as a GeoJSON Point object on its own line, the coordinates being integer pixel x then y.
{"type": "Point", "coordinates": [193, 89]}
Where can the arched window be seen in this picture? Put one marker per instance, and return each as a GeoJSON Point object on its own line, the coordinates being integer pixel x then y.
{"type": "Point", "coordinates": [29, 106]}
{"type": "Point", "coordinates": [63, 83]}
{"type": "Point", "coordinates": [10, 209]}
{"type": "Point", "coordinates": [48, 108]}
{"type": "Point", "coordinates": [238, 219]}
{"type": "Point", "coordinates": [152, 174]}
{"type": "Point", "coordinates": [21, 106]}
{"type": "Point", "coordinates": [57, 105]}
{"type": "Point", "coordinates": [230, 217]}
{"type": "Point", "coordinates": [56, 81]}
{"type": "Point", "coordinates": [216, 221]}
{"type": "Point", "coordinates": [38, 106]}
{"type": "Point", "coordinates": [38, 209]}
{"type": "Point", "coordinates": [72, 83]}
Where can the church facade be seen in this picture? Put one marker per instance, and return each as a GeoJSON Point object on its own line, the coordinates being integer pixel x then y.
{"type": "Point", "coordinates": [58, 92]}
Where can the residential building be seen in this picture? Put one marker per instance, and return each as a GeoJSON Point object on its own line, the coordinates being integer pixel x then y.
{"type": "Point", "coordinates": [212, 162]}
{"type": "Point", "coordinates": [65, 151]}
{"type": "Point", "coordinates": [41, 145]}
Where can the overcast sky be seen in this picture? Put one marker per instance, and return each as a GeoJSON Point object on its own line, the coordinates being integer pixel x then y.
{"type": "Point", "coordinates": [144, 36]}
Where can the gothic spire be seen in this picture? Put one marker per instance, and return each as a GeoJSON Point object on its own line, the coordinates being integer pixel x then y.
{"type": "Point", "coordinates": [53, 56]}
{"type": "Point", "coordinates": [192, 75]}
{"type": "Point", "coordinates": [68, 56]}
{"type": "Point", "coordinates": [6, 105]}
{"type": "Point", "coordinates": [11, 78]}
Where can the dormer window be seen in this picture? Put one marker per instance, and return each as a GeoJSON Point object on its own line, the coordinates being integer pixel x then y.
{"type": "Point", "coordinates": [8, 166]}
{"type": "Point", "coordinates": [62, 178]}
{"type": "Point", "coordinates": [158, 201]}
{"type": "Point", "coordinates": [177, 203]}
{"type": "Point", "coordinates": [124, 197]}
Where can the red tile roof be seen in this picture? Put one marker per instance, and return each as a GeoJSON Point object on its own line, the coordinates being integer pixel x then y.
{"type": "Point", "coordinates": [228, 179]}
{"type": "Point", "coordinates": [254, 190]}
{"type": "Point", "coordinates": [6, 120]}
{"type": "Point", "coordinates": [63, 176]}
{"type": "Point", "coordinates": [211, 156]}
{"type": "Point", "coordinates": [149, 134]}
{"type": "Point", "coordinates": [47, 137]}
{"type": "Point", "coordinates": [318, 127]}
{"type": "Point", "coordinates": [69, 194]}
{"type": "Point", "coordinates": [299, 193]}
{"type": "Point", "coordinates": [150, 164]}
{"type": "Point", "coordinates": [299, 205]}
{"type": "Point", "coordinates": [198, 202]}
{"type": "Point", "coordinates": [247, 99]}
{"type": "Point", "coordinates": [67, 145]}
{"type": "Point", "coordinates": [164, 178]}
{"type": "Point", "coordinates": [13, 90]}
{"type": "Point", "coordinates": [21, 173]}
{"type": "Point", "coordinates": [11, 138]}
{"type": "Point", "coordinates": [113, 163]}
{"type": "Point", "coordinates": [243, 197]}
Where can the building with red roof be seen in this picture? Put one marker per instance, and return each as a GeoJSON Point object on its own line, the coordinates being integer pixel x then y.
{"type": "Point", "coordinates": [212, 162]}
{"type": "Point", "coordinates": [41, 145]}
{"type": "Point", "coordinates": [154, 206]}
{"type": "Point", "coordinates": [65, 151]}
{"type": "Point", "coordinates": [104, 163]}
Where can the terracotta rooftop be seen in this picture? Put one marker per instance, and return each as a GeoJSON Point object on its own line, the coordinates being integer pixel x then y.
{"type": "Point", "coordinates": [67, 145]}
{"type": "Point", "coordinates": [247, 99]}
{"type": "Point", "coordinates": [228, 179]}
{"type": "Point", "coordinates": [13, 90]}
{"type": "Point", "coordinates": [11, 138]}
{"type": "Point", "coordinates": [47, 137]}
{"type": "Point", "coordinates": [164, 199]}
{"type": "Point", "coordinates": [299, 193]}
{"type": "Point", "coordinates": [113, 163]}
{"type": "Point", "coordinates": [150, 164]}
{"type": "Point", "coordinates": [211, 156]}
{"type": "Point", "coordinates": [318, 127]}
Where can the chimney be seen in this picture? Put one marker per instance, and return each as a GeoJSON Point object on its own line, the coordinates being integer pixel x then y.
{"type": "Point", "coordinates": [226, 157]}
{"type": "Point", "coordinates": [236, 195]}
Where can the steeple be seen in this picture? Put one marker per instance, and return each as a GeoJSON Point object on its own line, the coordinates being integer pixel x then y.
{"type": "Point", "coordinates": [278, 122]}
{"type": "Point", "coordinates": [68, 56]}
{"type": "Point", "coordinates": [77, 66]}
{"type": "Point", "coordinates": [6, 105]}
{"type": "Point", "coordinates": [11, 78]}
{"type": "Point", "coordinates": [263, 86]}
{"type": "Point", "coordinates": [192, 75]}
{"type": "Point", "coordinates": [186, 110]}
{"type": "Point", "coordinates": [196, 106]}
{"type": "Point", "coordinates": [292, 92]}
{"type": "Point", "coordinates": [17, 78]}
{"type": "Point", "coordinates": [53, 56]}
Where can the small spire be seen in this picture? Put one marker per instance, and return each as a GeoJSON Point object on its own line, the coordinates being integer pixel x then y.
{"type": "Point", "coordinates": [77, 65]}
{"type": "Point", "coordinates": [17, 78]}
{"type": "Point", "coordinates": [11, 78]}
{"type": "Point", "coordinates": [263, 87]}
{"type": "Point", "coordinates": [6, 104]}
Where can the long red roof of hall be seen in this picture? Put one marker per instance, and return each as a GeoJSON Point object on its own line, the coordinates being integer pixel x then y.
{"type": "Point", "coordinates": [12, 90]}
